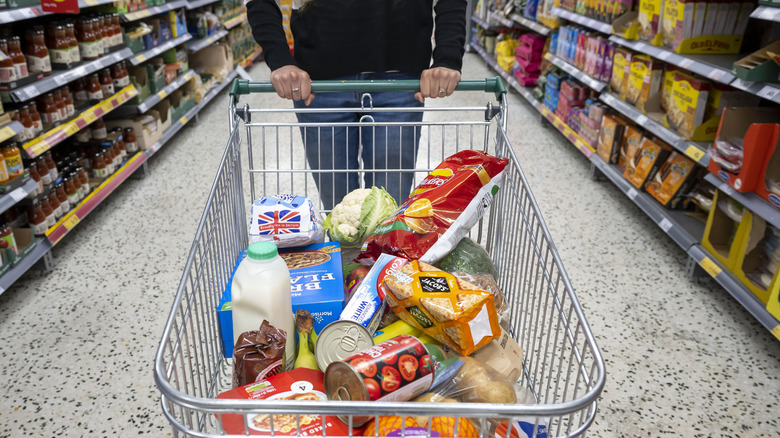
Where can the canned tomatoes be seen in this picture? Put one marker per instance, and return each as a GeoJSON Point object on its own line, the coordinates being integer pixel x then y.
{"type": "Point", "coordinates": [398, 369]}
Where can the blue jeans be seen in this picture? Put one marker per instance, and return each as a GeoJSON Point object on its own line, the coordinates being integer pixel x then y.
{"type": "Point", "coordinates": [338, 151]}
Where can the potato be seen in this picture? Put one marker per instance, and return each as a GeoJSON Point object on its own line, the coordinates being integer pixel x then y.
{"type": "Point", "coordinates": [434, 398]}
{"type": "Point", "coordinates": [490, 392]}
{"type": "Point", "coordinates": [471, 374]}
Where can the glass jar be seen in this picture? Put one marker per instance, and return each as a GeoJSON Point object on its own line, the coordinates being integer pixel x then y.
{"type": "Point", "coordinates": [83, 180]}
{"type": "Point", "coordinates": [4, 178]}
{"type": "Point", "coordinates": [120, 75]}
{"type": "Point", "coordinates": [99, 169]}
{"type": "Point", "coordinates": [60, 46]}
{"type": "Point", "coordinates": [94, 90]}
{"type": "Point", "coordinates": [47, 158]}
{"type": "Point", "coordinates": [118, 40]}
{"type": "Point", "coordinates": [98, 129]}
{"type": "Point", "coordinates": [38, 59]}
{"type": "Point", "coordinates": [63, 197]}
{"type": "Point", "coordinates": [33, 168]}
{"type": "Point", "coordinates": [36, 118]}
{"type": "Point", "coordinates": [43, 170]}
{"type": "Point", "coordinates": [51, 218]}
{"type": "Point", "coordinates": [88, 46]}
{"type": "Point", "coordinates": [26, 120]}
{"type": "Point", "coordinates": [120, 142]}
{"type": "Point", "coordinates": [36, 218]}
{"type": "Point", "coordinates": [106, 83]}
{"type": "Point", "coordinates": [97, 26]}
{"type": "Point", "coordinates": [84, 135]}
{"type": "Point", "coordinates": [13, 160]}
{"type": "Point", "coordinates": [70, 189]}
{"type": "Point", "coordinates": [130, 141]}
{"type": "Point", "coordinates": [54, 201]}
{"type": "Point", "coordinates": [7, 238]}
{"type": "Point", "coordinates": [62, 108]}
{"type": "Point", "coordinates": [49, 112]}
{"type": "Point", "coordinates": [18, 58]}
{"type": "Point", "coordinates": [69, 105]}
{"type": "Point", "coordinates": [7, 71]}
{"type": "Point", "coordinates": [79, 92]}
{"type": "Point", "coordinates": [73, 43]}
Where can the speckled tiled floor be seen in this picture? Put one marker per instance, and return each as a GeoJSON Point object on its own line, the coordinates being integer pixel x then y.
{"type": "Point", "coordinates": [78, 344]}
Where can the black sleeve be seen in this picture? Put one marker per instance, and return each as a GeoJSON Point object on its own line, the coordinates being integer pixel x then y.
{"type": "Point", "coordinates": [265, 18]}
{"type": "Point", "coordinates": [449, 33]}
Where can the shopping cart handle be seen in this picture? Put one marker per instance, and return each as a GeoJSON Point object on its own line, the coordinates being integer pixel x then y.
{"type": "Point", "coordinates": [488, 85]}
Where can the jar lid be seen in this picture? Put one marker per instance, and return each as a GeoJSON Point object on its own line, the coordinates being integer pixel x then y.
{"type": "Point", "coordinates": [262, 251]}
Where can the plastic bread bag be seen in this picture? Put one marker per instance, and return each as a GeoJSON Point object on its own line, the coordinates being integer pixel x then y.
{"type": "Point", "coordinates": [285, 220]}
{"type": "Point", "coordinates": [486, 282]}
{"type": "Point", "coordinates": [453, 311]}
{"type": "Point", "coordinates": [440, 211]}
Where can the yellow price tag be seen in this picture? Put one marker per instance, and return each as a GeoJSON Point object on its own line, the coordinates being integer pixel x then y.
{"type": "Point", "coordinates": [140, 58]}
{"type": "Point", "coordinates": [72, 129]}
{"type": "Point", "coordinates": [183, 120]}
{"type": "Point", "coordinates": [694, 152]}
{"type": "Point", "coordinates": [107, 106]}
{"type": "Point", "coordinates": [71, 222]}
{"type": "Point", "coordinates": [776, 331]}
{"type": "Point", "coordinates": [162, 94]}
{"type": "Point", "coordinates": [708, 265]}
{"type": "Point", "coordinates": [89, 117]}
{"type": "Point", "coordinates": [548, 56]}
{"type": "Point", "coordinates": [39, 148]}
{"type": "Point", "coordinates": [6, 133]}
{"type": "Point", "coordinates": [91, 2]}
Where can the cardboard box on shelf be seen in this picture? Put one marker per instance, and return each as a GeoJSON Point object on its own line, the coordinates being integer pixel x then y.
{"type": "Point", "coordinates": [672, 180]}
{"type": "Point", "coordinates": [644, 80]}
{"type": "Point", "coordinates": [723, 235]}
{"type": "Point", "coordinates": [758, 129]}
{"type": "Point", "coordinates": [25, 242]}
{"type": "Point", "coordinates": [649, 18]}
{"type": "Point", "coordinates": [139, 76]}
{"type": "Point", "coordinates": [164, 110]}
{"type": "Point", "coordinates": [688, 103]}
{"type": "Point", "coordinates": [146, 127]}
{"type": "Point", "coordinates": [645, 163]}
{"type": "Point", "coordinates": [751, 256]}
{"type": "Point", "coordinates": [628, 146]}
{"type": "Point", "coordinates": [181, 102]}
{"type": "Point", "coordinates": [759, 65]}
{"type": "Point", "coordinates": [773, 302]}
{"type": "Point", "coordinates": [155, 73]}
{"type": "Point", "coordinates": [215, 60]}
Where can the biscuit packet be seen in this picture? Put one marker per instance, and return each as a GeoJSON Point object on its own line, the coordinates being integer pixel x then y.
{"type": "Point", "coordinates": [449, 309]}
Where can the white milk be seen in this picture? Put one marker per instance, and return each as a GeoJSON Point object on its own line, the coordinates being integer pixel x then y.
{"type": "Point", "coordinates": [261, 291]}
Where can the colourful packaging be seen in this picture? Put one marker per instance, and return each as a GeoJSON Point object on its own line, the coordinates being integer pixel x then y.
{"type": "Point", "coordinates": [649, 18]}
{"type": "Point", "coordinates": [645, 161]}
{"type": "Point", "coordinates": [285, 220]}
{"type": "Point", "coordinates": [620, 63]}
{"type": "Point", "coordinates": [644, 80]}
{"type": "Point", "coordinates": [628, 147]}
{"type": "Point", "coordinates": [688, 103]}
{"type": "Point", "coordinates": [610, 136]}
{"type": "Point", "coordinates": [669, 183]}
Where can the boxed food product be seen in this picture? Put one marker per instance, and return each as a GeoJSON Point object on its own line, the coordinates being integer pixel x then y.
{"type": "Point", "coordinates": [299, 384]}
{"type": "Point", "coordinates": [670, 183]}
{"type": "Point", "coordinates": [629, 145]}
{"type": "Point", "coordinates": [759, 65]}
{"type": "Point", "coordinates": [610, 136]}
{"type": "Point", "coordinates": [650, 13]}
{"type": "Point", "coordinates": [666, 86]}
{"type": "Point", "coordinates": [644, 80]}
{"type": "Point", "coordinates": [645, 162]}
{"type": "Point", "coordinates": [688, 103]}
{"type": "Point", "coordinates": [620, 63]}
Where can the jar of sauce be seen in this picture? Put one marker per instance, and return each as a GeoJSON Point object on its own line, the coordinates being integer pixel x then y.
{"type": "Point", "coordinates": [7, 238]}
{"type": "Point", "coordinates": [13, 160]}
{"type": "Point", "coordinates": [69, 105]}
{"type": "Point", "coordinates": [33, 168]}
{"type": "Point", "coordinates": [7, 71]}
{"type": "Point", "coordinates": [98, 129]}
{"type": "Point", "coordinates": [106, 83]}
{"type": "Point", "coordinates": [63, 197]}
{"type": "Point", "coordinates": [120, 142]}
{"type": "Point", "coordinates": [62, 108]}
{"type": "Point", "coordinates": [48, 211]}
{"type": "Point", "coordinates": [38, 59]}
{"type": "Point", "coordinates": [36, 118]}
{"type": "Point", "coordinates": [79, 92]}
{"type": "Point", "coordinates": [71, 190]}
{"type": "Point", "coordinates": [15, 52]}
{"type": "Point", "coordinates": [73, 43]}
{"type": "Point", "coordinates": [4, 178]}
{"type": "Point", "coordinates": [43, 170]}
{"type": "Point", "coordinates": [51, 166]}
{"type": "Point", "coordinates": [83, 180]}
{"type": "Point", "coordinates": [36, 218]}
{"type": "Point", "coordinates": [26, 120]}
{"type": "Point", "coordinates": [130, 141]}
{"type": "Point", "coordinates": [94, 90]}
{"type": "Point", "coordinates": [120, 75]}
{"type": "Point", "coordinates": [49, 112]}
{"type": "Point", "coordinates": [59, 51]}
{"type": "Point", "coordinates": [54, 201]}
{"type": "Point", "coordinates": [99, 169]}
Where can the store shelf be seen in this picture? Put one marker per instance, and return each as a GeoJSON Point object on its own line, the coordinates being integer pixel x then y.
{"type": "Point", "coordinates": [251, 58]}
{"type": "Point", "coordinates": [567, 132]}
{"type": "Point", "coordinates": [49, 139]}
{"type": "Point", "coordinates": [98, 195]}
{"type": "Point", "coordinates": [148, 12]}
{"type": "Point", "coordinates": [142, 57]}
{"type": "Point", "coordinates": [766, 13]}
{"type": "Point", "coordinates": [697, 151]}
{"type": "Point", "coordinates": [530, 24]}
{"type": "Point", "coordinates": [10, 199]}
{"type": "Point", "coordinates": [12, 15]}
{"type": "Point", "coordinates": [482, 23]}
{"type": "Point", "coordinates": [199, 3]}
{"type": "Point", "coordinates": [506, 22]}
{"type": "Point", "coordinates": [577, 73]}
{"type": "Point", "coordinates": [42, 246]}
{"type": "Point", "coordinates": [751, 201]}
{"type": "Point", "coordinates": [196, 45]}
{"type": "Point", "coordinates": [684, 230]}
{"type": "Point", "coordinates": [178, 124]}
{"type": "Point", "coordinates": [154, 99]}
{"type": "Point", "coordinates": [735, 287]}
{"type": "Point", "coordinates": [582, 20]}
{"type": "Point", "coordinates": [715, 67]}
{"type": "Point", "coordinates": [9, 130]}
{"type": "Point", "coordinates": [61, 78]}
{"type": "Point", "coordinates": [760, 89]}
{"type": "Point", "coordinates": [233, 22]}
{"type": "Point", "coordinates": [524, 91]}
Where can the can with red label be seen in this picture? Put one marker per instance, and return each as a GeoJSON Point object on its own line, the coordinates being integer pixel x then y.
{"type": "Point", "coordinates": [398, 369]}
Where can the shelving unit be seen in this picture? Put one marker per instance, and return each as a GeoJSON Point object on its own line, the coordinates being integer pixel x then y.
{"type": "Point", "coordinates": [154, 10]}
{"type": "Point", "coordinates": [60, 78]}
{"type": "Point", "coordinates": [10, 199]}
{"type": "Point", "coordinates": [752, 201]}
{"type": "Point", "coordinates": [567, 132]}
{"type": "Point", "coordinates": [9, 130]}
{"type": "Point", "coordinates": [52, 137]}
{"type": "Point", "coordinates": [696, 151]}
{"type": "Point", "coordinates": [524, 91]}
{"type": "Point", "coordinates": [530, 24]}
{"type": "Point", "coordinates": [251, 58]}
{"type": "Point", "coordinates": [144, 56]}
{"type": "Point", "coordinates": [154, 99]}
{"type": "Point", "coordinates": [199, 3]}
{"type": "Point", "coordinates": [583, 20]}
{"type": "Point", "coordinates": [196, 45]}
{"type": "Point", "coordinates": [12, 15]}
{"type": "Point", "coordinates": [577, 73]}
{"type": "Point", "coordinates": [233, 22]}
{"type": "Point", "coordinates": [42, 247]}
{"type": "Point", "coordinates": [766, 13]}
{"type": "Point", "coordinates": [761, 89]}
{"type": "Point", "coordinates": [482, 23]}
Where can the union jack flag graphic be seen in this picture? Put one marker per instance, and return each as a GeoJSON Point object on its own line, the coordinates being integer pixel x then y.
{"type": "Point", "coordinates": [279, 222]}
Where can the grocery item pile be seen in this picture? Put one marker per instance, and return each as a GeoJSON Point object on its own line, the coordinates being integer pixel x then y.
{"type": "Point", "coordinates": [417, 316]}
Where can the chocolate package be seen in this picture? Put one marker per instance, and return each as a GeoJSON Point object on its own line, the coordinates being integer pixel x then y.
{"type": "Point", "coordinates": [258, 354]}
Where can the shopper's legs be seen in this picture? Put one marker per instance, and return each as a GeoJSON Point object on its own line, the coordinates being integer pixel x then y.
{"type": "Point", "coordinates": [392, 147]}
{"type": "Point", "coordinates": [330, 149]}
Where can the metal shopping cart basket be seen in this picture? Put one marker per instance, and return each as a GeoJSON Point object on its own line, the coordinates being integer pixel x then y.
{"type": "Point", "coordinates": [563, 369]}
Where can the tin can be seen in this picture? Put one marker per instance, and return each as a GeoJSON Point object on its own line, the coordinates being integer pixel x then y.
{"type": "Point", "coordinates": [398, 369]}
{"type": "Point", "coordinates": [340, 339]}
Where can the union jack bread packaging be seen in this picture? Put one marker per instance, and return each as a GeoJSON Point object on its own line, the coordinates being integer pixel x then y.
{"type": "Point", "coordinates": [285, 220]}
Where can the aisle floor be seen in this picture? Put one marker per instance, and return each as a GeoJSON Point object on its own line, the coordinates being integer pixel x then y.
{"type": "Point", "coordinates": [78, 344]}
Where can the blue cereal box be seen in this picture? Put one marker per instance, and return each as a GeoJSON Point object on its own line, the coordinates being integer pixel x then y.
{"type": "Point", "coordinates": [316, 284]}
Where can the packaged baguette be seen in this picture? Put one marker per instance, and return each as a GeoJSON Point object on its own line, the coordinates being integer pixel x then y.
{"type": "Point", "coordinates": [451, 310]}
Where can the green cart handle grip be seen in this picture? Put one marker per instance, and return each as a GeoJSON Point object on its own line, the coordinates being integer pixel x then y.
{"type": "Point", "coordinates": [488, 85]}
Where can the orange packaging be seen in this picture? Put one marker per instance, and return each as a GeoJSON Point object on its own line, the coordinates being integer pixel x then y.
{"type": "Point", "coordinates": [645, 162]}
{"type": "Point", "coordinates": [631, 139]}
{"type": "Point", "coordinates": [671, 179]}
{"type": "Point", "coordinates": [610, 135]}
{"type": "Point", "coordinates": [445, 307]}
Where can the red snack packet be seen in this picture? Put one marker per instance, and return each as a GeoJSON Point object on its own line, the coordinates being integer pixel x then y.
{"type": "Point", "coordinates": [440, 211]}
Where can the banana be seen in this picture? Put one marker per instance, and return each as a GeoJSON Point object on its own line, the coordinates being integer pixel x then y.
{"type": "Point", "coordinates": [397, 328]}
{"type": "Point", "coordinates": [305, 358]}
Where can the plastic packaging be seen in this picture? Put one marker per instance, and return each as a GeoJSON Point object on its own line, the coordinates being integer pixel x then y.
{"type": "Point", "coordinates": [258, 354]}
{"type": "Point", "coordinates": [469, 257]}
{"type": "Point", "coordinates": [261, 292]}
{"type": "Point", "coordinates": [285, 220]}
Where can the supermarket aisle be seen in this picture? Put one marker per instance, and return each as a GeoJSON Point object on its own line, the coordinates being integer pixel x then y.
{"type": "Point", "coordinates": [78, 344]}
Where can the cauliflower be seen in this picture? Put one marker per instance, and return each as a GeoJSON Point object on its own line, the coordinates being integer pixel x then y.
{"type": "Point", "coordinates": [358, 213]}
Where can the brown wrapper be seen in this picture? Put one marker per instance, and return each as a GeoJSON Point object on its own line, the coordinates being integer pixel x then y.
{"type": "Point", "coordinates": [258, 354]}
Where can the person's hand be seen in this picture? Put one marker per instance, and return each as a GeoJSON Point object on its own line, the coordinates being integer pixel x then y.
{"type": "Point", "coordinates": [290, 82]}
{"type": "Point", "coordinates": [437, 82]}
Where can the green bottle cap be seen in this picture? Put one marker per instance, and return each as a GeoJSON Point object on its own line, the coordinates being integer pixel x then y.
{"type": "Point", "coordinates": [262, 251]}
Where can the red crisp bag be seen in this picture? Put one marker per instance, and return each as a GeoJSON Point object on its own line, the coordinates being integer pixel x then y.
{"type": "Point", "coordinates": [440, 211]}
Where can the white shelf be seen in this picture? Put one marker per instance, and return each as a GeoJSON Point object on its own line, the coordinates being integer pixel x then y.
{"type": "Point", "coordinates": [8, 200]}
{"type": "Point", "coordinates": [154, 10]}
{"type": "Point", "coordinates": [583, 20]}
{"type": "Point", "coordinates": [199, 3]}
{"type": "Point", "coordinates": [42, 246]}
{"type": "Point", "coordinates": [530, 24]}
{"type": "Point", "coordinates": [577, 73]}
{"type": "Point", "coordinates": [196, 45]}
{"type": "Point", "coordinates": [13, 15]}
{"type": "Point", "coordinates": [766, 13]}
{"type": "Point", "coordinates": [143, 56]}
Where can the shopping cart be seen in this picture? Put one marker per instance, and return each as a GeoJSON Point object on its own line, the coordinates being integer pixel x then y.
{"type": "Point", "coordinates": [562, 367]}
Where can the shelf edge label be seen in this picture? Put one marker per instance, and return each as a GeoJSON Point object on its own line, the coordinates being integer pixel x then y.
{"type": "Point", "coordinates": [708, 265]}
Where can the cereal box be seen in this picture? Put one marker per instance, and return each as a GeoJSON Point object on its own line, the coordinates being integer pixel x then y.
{"type": "Point", "coordinates": [669, 183]}
{"type": "Point", "coordinates": [645, 161]}
{"type": "Point", "coordinates": [688, 103]}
